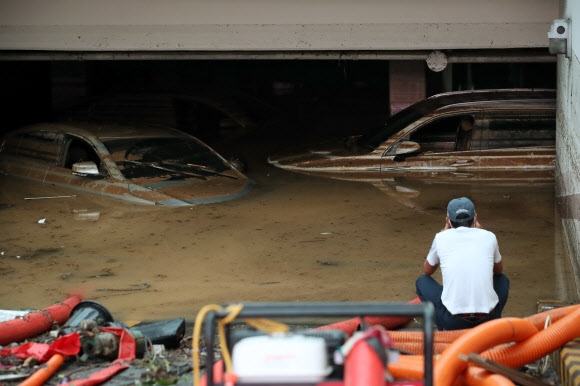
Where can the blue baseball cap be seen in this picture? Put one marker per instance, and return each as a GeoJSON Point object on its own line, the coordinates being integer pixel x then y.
{"type": "Point", "coordinates": [462, 208]}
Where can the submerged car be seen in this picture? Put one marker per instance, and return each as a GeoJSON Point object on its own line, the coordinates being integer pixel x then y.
{"type": "Point", "coordinates": [147, 165]}
{"type": "Point", "coordinates": [461, 134]}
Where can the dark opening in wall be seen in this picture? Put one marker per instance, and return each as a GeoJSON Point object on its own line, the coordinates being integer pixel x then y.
{"type": "Point", "coordinates": [355, 89]}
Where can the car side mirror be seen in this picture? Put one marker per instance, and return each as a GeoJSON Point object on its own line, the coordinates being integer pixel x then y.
{"type": "Point", "coordinates": [407, 147]}
{"type": "Point", "coordinates": [83, 169]}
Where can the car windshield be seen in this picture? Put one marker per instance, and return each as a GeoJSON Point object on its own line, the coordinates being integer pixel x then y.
{"type": "Point", "coordinates": [174, 158]}
{"type": "Point", "coordinates": [374, 137]}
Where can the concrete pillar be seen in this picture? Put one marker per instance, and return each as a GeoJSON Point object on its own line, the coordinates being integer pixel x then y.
{"type": "Point", "coordinates": [407, 83]}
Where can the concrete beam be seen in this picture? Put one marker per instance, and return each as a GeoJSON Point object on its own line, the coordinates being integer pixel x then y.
{"type": "Point", "coordinates": [262, 37]}
{"type": "Point", "coordinates": [275, 25]}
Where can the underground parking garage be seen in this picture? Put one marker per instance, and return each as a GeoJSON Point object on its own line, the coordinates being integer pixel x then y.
{"type": "Point", "coordinates": [306, 84]}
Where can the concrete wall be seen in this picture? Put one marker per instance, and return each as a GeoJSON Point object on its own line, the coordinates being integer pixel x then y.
{"type": "Point", "coordinates": [568, 140]}
{"type": "Point", "coordinates": [305, 25]}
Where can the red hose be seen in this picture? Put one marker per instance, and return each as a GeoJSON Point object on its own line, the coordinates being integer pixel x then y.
{"type": "Point", "coordinates": [35, 323]}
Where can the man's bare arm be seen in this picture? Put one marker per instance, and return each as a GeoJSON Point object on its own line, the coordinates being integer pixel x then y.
{"type": "Point", "coordinates": [498, 268]}
{"type": "Point", "coordinates": [429, 269]}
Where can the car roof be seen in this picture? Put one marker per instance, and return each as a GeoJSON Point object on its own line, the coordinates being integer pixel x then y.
{"type": "Point", "coordinates": [499, 94]}
{"type": "Point", "coordinates": [457, 100]}
{"type": "Point", "coordinates": [488, 97]}
{"type": "Point", "coordinates": [105, 131]}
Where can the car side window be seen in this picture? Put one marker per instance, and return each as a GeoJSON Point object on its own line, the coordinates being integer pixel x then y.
{"type": "Point", "coordinates": [445, 134]}
{"type": "Point", "coordinates": [520, 130]}
{"type": "Point", "coordinates": [43, 146]}
{"type": "Point", "coordinates": [79, 150]}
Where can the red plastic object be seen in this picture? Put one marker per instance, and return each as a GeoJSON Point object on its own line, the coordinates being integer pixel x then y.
{"type": "Point", "coordinates": [363, 366]}
{"type": "Point", "coordinates": [126, 354]}
{"type": "Point", "coordinates": [65, 345]}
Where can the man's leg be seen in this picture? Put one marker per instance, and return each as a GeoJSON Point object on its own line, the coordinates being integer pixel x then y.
{"type": "Point", "coordinates": [430, 291]}
{"type": "Point", "coordinates": [501, 285]}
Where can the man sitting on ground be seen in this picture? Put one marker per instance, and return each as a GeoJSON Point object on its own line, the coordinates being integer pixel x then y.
{"type": "Point", "coordinates": [474, 288]}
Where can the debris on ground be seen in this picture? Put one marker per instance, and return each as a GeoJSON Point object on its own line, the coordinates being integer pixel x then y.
{"type": "Point", "coordinates": [90, 348]}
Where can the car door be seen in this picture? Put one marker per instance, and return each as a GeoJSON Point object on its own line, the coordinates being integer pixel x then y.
{"type": "Point", "coordinates": [438, 144]}
{"type": "Point", "coordinates": [76, 149]}
{"type": "Point", "coordinates": [519, 139]}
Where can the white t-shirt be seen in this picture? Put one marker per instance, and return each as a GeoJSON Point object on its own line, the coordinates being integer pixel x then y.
{"type": "Point", "coordinates": [466, 257]}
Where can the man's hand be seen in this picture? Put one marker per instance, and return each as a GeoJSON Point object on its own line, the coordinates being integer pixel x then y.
{"type": "Point", "coordinates": [476, 223]}
{"type": "Point", "coordinates": [447, 224]}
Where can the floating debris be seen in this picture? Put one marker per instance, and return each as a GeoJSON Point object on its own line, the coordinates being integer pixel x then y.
{"type": "Point", "coordinates": [141, 287]}
{"type": "Point", "coordinates": [46, 197]}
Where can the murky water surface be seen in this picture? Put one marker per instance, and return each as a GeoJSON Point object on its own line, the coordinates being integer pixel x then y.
{"type": "Point", "coordinates": [293, 238]}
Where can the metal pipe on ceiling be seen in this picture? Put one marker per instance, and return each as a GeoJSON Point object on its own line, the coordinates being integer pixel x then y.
{"type": "Point", "coordinates": [453, 56]}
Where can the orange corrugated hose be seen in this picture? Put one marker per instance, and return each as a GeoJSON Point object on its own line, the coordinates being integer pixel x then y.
{"type": "Point", "coordinates": [417, 336]}
{"type": "Point", "coordinates": [538, 320]}
{"type": "Point", "coordinates": [407, 367]}
{"type": "Point", "coordinates": [555, 314]}
{"type": "Point", "coordinates": [527, 351]}
{"type": "Point", "coordinates": [476, 376]}
{"type": "Point", "coordinates": [412, 366]}
{"type": "Point", "coordinates": [418, 347]}
{"type": "Point", "coordinates": [448, 366]}
{"type": "Point", "coordinates": [566, 328]}
{"type": "Point", "coordinates": [541, 344]}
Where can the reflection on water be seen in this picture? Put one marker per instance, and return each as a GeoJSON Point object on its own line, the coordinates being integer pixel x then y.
{"type": "Point", "coordinates": [293, 238]}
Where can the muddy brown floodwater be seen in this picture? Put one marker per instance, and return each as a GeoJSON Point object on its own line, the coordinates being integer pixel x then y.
{"type": "Point", "coordinates": [293, 238]}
